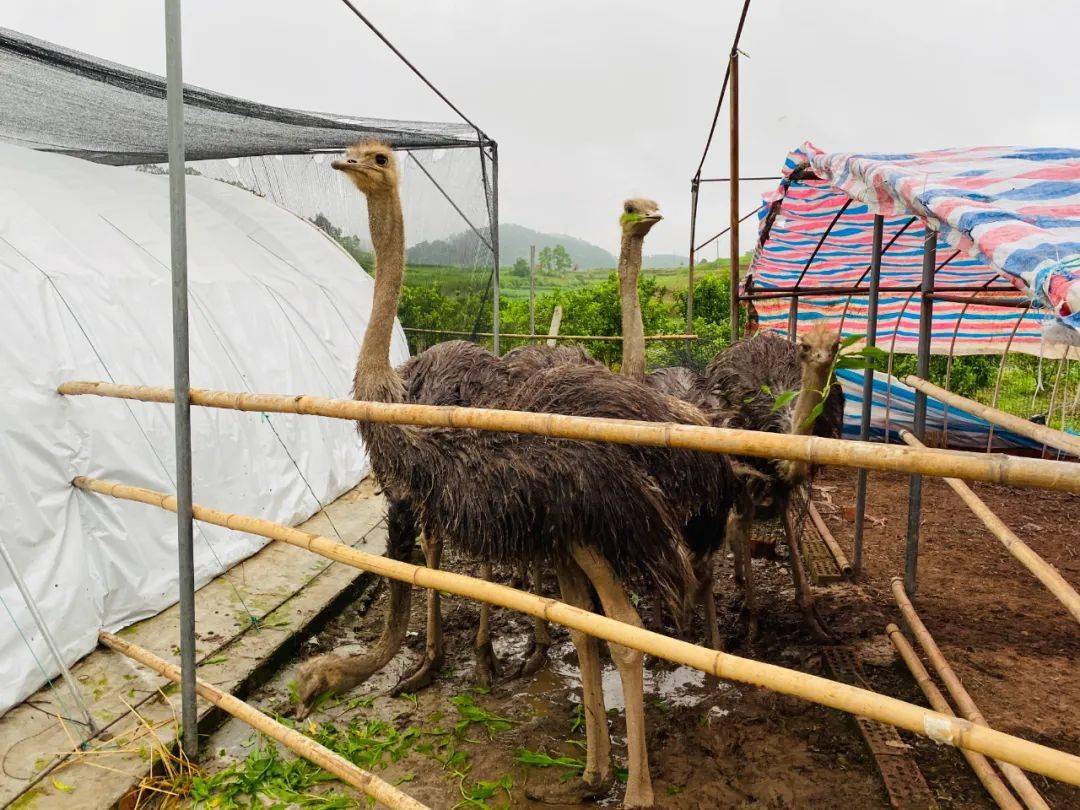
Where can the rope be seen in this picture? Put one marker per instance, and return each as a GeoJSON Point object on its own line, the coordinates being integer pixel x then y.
{"type": "Point", "coordinates": [416, 70]}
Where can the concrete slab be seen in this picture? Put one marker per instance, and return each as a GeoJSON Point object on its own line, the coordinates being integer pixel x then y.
{"type": "Point", "coordinates": [249, 618]}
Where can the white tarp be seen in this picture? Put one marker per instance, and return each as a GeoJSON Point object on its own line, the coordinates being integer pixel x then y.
{"type": "Point", "coordinates": [276, 306]}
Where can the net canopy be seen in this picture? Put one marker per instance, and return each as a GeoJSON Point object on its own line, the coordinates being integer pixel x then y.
{"type": "Point", "coordinates": [54, 100]}
{"type": "Point", "coordinates": [63, 101]}
{"type": "Point", "coordinates": [1008, 224]}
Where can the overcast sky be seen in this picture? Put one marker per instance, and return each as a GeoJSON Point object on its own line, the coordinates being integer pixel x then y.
{"type": "Point", "coordinates": [595, 101]}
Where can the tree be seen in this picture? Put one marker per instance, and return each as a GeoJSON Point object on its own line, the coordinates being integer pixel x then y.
{"type": "Point", "coordinates": [561, 259]}
{"type": "Point", "coordinates": [520, 268]}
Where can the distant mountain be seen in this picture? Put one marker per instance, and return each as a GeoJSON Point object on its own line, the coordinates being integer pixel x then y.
{"type": "Point", "coordinates": [657, 261]}
{"type": "Point", "coordinates": [463, 248]}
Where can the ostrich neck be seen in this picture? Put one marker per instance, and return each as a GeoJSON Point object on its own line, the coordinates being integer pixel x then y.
{"type": "Point", "coordinates": [813, 383]}
{"type": "Point", "coordinates": [633, 330]}
{"type": "Point", "coordinates": [373, 368]}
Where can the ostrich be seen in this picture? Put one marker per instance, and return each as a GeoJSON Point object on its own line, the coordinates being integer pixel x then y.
{"type": "Point", "coordinates": [708, 496]}
{"type": "Point", "coordinates": [591, 509]}
{"type": "Point", "coordinates": [747, 381]}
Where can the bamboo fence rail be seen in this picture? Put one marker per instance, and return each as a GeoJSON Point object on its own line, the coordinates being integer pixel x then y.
{"type": "Point", "coordinates": [827, 537]}
{"type": "Point", "coordinates": [1049, 436]}
{"type": "Point", "coordinates": [310, 750]}
{"type": "Point", "coordinates": [980, 764]}
{"type": "Point", "coordinates": [1040, 568]}
{"type": "Point", "coordinates": [994, 468]}
{"type": "Point", "coordinates": [939, 727]}
{"type": "Point", "coordinates": [1017, 778]}
{"type": "Point", "coordinates": [523, 335]}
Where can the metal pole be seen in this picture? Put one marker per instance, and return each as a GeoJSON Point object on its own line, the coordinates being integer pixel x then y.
{"type": "Point", "coordinates": [495, 248]}
{"type": "Point", "coordinates": [868, 390]}
{"type": "Point", "coordinates": [922, 365]}
{"type": "Point", "coordinates": [690, 277]}
{"type": "Point", "coordinates": [733, 237]}
{"type": "Point", "coordinates": [181, 375]}
{"type": "Point", "coordinates": [31, 605]}
{"type": "Point", "coordinates": [532, 289]}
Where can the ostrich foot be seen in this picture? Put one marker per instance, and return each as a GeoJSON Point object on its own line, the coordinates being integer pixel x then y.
{"type": "Point", "coordinates": [572, 792]}
{"type": "Point", "coordinates": [535, 658]}
{"type": "Point", "coordinates": [419, 678]}
{"type": "Point", "coordinates": [487, 665]}
{"type": "Point", "coordinates": [819, 627]}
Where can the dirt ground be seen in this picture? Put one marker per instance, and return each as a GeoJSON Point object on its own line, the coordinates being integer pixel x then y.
{"type": "Point", "coordinates": [729, 745]}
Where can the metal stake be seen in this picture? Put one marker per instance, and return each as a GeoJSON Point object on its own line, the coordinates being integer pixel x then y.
{"type": "Point", "coordinates": [868, 390]}
{"type": "Point", "coordinates": [495, 247]}
{"type": "Point", "coordinates": [31, 605]}
{"type": "Point", "coordinates": [532, 289]}
{"type": "Point", "coordinates": [922, 366]}
{"type": "Point", "coordinates": [733, 237]}
{"type": "Point", "coordinates": [181, 374]}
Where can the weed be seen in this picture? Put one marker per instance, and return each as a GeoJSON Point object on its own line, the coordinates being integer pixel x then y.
{"type": "Point", "coordinates": [471, 713]}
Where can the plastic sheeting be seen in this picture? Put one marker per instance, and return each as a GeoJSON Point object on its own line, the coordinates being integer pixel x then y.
{"type": "Point", "coordinates": [276, 306]}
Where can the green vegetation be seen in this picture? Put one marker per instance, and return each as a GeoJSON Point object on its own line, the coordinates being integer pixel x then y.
{"type": "Point", "coordinates": [267, 777]}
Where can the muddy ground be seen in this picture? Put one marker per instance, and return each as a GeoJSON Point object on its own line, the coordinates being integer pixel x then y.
{"type": "Point", "coordinates": [729, 745]}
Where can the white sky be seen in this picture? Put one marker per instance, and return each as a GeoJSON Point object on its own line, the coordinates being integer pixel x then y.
{"type": "Point", "coordinates": [595, 101]}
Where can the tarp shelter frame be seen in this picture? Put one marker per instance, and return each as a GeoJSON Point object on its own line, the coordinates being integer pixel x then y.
{"type": "Point", "coordinates": [201, 125]}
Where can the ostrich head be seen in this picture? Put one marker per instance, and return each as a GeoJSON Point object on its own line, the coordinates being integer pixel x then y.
{"type": "Point", "coordinates": [370, 165]}
{"type": "Point", "coordinates": [638, 217]}
{"type": "Point", "coordinates": [818, 347]}
{"type": "Point", "coordinates": [331, 673]}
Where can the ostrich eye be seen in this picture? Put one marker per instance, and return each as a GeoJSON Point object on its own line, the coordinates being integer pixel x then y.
{"type": "Point", "coordinates": [629, 209]}
{"type": "Point", "coordinates": [381, 159]}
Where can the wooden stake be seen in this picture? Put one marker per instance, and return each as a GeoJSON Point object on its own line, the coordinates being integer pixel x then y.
{"type": "Point", "coordinates": [1058, 439]}
{"type": "Point", "coordinates": [991, 781]}
{"type": "Point", "coordinates": [997, 468]}
{"type": "Point", "coordinates": [1017, 778]}
{"type": "Point", "coordinates": [556, 323]}
{"type": "Point", "coordinates": [939, 727]}
{"type": "Point", "coordinates": [1040, 568]}
{"type": "Point", "coordinates": [830, 541]}
{"type": "Point", "coordinates": [310, 750]}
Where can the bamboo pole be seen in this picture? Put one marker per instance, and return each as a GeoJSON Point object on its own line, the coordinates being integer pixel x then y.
{"type": "Point", "coordinates": [996, 468]}
{"type": "Point", "coordinates": [306, 747]}
{"type": "Point", "coordinates": [942, 729]}
{"type": "Point", "coordinates": [980, 764]}
{"type": "Point", "coordinates": [1040, 568]}
{"type": "Point", "coordinates": [1058, 439]}
{"type": "Point", "coordinates": [1017, 778]}
{"type": "Point", "coordinates": [827, 536]}
{"type": "Point", "coordinates": [526, 336]}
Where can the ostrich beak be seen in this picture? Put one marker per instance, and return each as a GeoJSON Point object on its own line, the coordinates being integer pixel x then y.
{"type": "Point", "coordinates": [344, 165]}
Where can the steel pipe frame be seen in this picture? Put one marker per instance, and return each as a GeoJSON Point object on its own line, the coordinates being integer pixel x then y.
{"type": "Point", "coordinates": [181, 374]}
{"type": "Point", "coordinates": [793, 310]}
{"type": "Point", "coordinates": [868, 390]}
{"type": "Point", "coordinates": [922, 365]}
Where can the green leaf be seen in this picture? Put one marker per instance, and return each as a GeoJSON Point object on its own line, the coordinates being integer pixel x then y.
{"type": "Point", "coordinates": [784, 399]}
{"type": "Point", "coordinates": [56, 783]}
{"type": "Point", "coordinates": [814, 414]}
{"type": "Point", "coordinates": [766, 390]}
{"type": "Point", "coordinates": [850, 340]}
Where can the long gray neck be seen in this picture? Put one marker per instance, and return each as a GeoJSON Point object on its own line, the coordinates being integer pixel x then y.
{"type": "Point", "coordinates": [633, 330]}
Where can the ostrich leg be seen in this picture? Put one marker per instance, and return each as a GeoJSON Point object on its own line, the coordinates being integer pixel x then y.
{"type": "Point", "coordinates": [541, 641]}
{"type": "Point", "coordinates": [707, 597]}
{"type": "Point", "coordinates": [617, 605]}
{"type": "Point", "coordinates": [803, 595]}
{"type": "Point", "coordinates": [433, 649]}
{"type": "Point", "coordinates": [486, 666]}
{"type": "Point", "coordinates": [740, 525]}
{"type": "Point", "coordinates": [575, 591]}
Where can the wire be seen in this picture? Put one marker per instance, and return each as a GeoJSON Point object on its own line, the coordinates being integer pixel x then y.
{"type": "Point", "coordinates": [723, 88]}
{"type": "Point", "coordinates": [421, 76]}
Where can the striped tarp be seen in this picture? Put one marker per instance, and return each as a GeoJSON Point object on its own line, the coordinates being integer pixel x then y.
{"type": "Point", "coordinates": [1007, 220]}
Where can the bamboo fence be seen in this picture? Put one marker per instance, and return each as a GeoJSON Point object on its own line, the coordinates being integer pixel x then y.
{"type": "Point", "coordinates": [524, 335]}
{"type": "Point", "coordinates": [994, 468]}
{"type": "Point", "coordinates": [827, 537]}
{"type": "Point", "coordinates": [939, 727]}
{"type": "Point", "coordinates": [310, 750]}
{"type": "Point", "coordinates": [1017, 778]}
{"type": "Point", "coordinates": [1049, 436]}
{"type": "Point", "coordinates": [980, 764]}
{"type": "Point", "coordinates": [1040, 568]}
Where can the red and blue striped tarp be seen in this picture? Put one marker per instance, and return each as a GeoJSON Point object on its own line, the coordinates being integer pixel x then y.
{"type": "Point", "coordinates": [1008, 224]}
